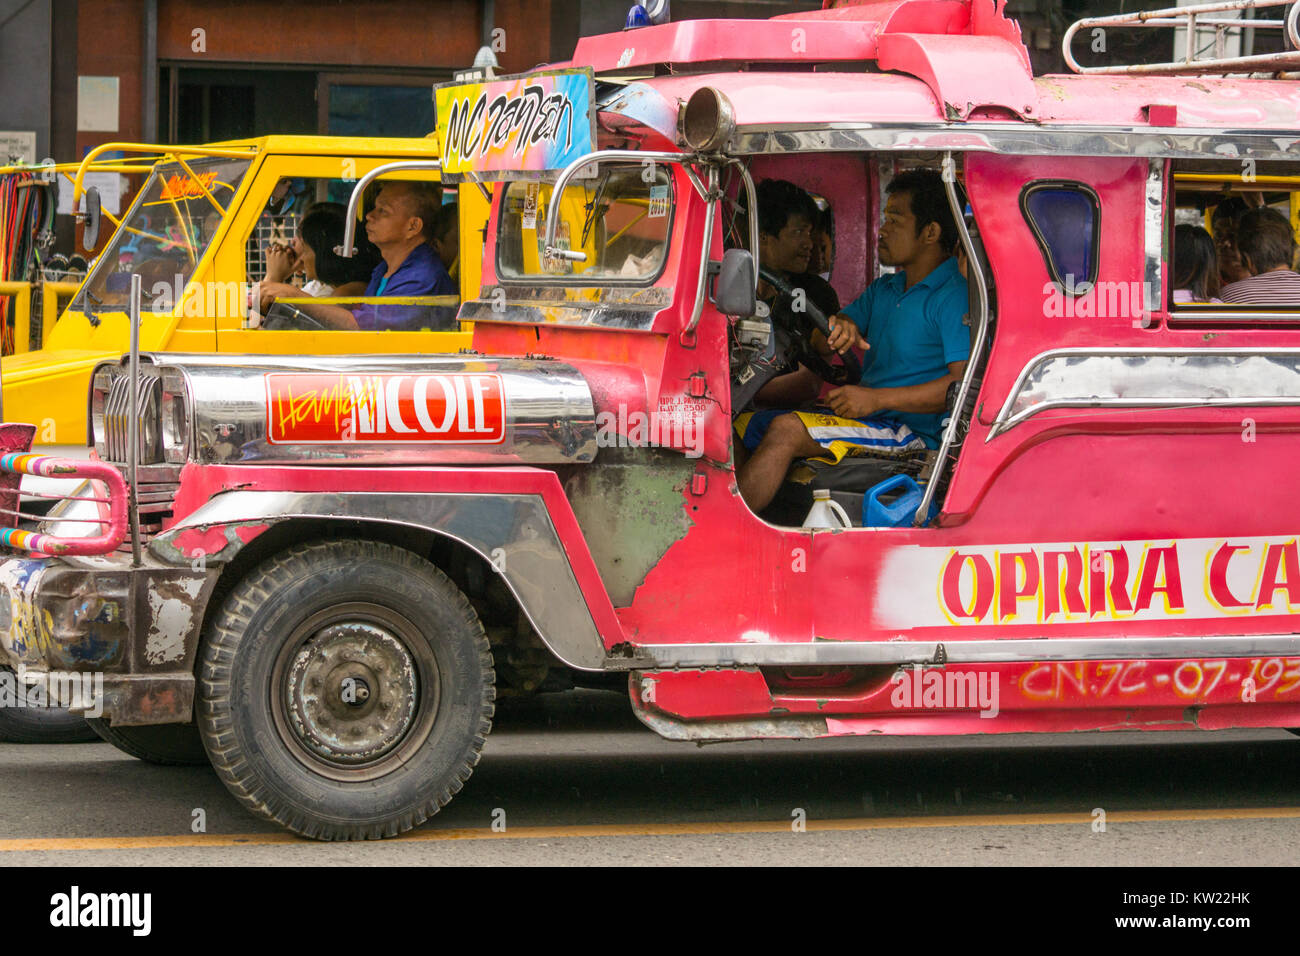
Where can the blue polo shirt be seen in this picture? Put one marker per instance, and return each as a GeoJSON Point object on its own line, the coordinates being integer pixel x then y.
{"type": "Point", "coordinates": [421, 273]}
{"type": "Point", "coordinates": [913, 335]}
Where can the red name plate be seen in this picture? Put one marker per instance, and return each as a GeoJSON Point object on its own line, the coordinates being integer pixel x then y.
{"type": "Point", "coordinates": [311, 408]}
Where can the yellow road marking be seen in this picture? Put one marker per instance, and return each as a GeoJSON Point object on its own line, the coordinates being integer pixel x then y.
{"type": "Point", "coordinates": [661, 829]}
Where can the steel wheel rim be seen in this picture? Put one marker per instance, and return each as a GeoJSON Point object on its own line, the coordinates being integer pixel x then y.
{"type": "Point", "coordinates": [354, 691]}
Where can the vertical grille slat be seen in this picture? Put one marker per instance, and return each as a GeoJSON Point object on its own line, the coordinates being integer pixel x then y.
{"type": "Point", "coordinates": [117, 419]}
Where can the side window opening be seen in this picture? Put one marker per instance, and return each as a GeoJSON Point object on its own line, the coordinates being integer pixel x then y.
{"type": "Point", "coordinates": [306, 221]}
{"type": "Point", "coordinates": [278, 222]}
{"type": "Point", "coordinates": [1233, 246]}
{"type": "Point", "coordinates": [874, 486]}
{"type": "Point", "coordinates": [1065, 218]}
{"type": "Point", "coordinates": [621, 219]}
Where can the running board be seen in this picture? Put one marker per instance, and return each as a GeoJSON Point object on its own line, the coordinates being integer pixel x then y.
{"type": "Point", "coordinates": [844, 653]}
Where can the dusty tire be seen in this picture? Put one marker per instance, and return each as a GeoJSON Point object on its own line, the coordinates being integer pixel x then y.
{"type": "Point", "coordinates": [170, 745]}
{"type": "Point", "coordinates": [345, 690]}
{"type": "Point", "coordinates": [43, 725]}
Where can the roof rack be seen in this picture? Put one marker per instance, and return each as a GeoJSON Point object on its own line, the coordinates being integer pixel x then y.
{"type": "Point", "coordinates": [1192, 19]}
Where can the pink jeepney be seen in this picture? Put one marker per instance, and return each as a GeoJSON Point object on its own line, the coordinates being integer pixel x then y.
{"type": "Point", "coordinates": [363, 552]}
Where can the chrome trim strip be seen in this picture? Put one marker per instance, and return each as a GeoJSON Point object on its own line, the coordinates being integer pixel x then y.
{"type": "Point", "coordinates": [513, 533]}
{"type": "Point", "coordinates": [884, 176]}
{"type": "Point", "coordinates": [1180, 317]}
{"type": "Point", "coordinates": [550, 413]}
{"type": "Point", "coordinates": [1154, 222]}
{"type": "Point", "coordinates": [975, 268]}
{"type": "Point", "coordinates": [702, 279]}
{"type": "Point", "coordinates": [1260, 368]}
{"type": "Point", "coordinates": [846, 653]}
{"type": "Point", "coordinates": [1018, 139]}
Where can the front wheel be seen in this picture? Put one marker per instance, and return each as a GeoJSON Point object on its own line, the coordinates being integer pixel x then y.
{"type": "Point", "coordinates": [346, 690]}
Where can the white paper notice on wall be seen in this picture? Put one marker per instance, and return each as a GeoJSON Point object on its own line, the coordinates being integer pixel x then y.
{"type": "Point", "coordinates": [97, 104]}
{"type": "Point", "coordinates": [17, 146]}
{"type": "Point", "coordinates": [110, 187]}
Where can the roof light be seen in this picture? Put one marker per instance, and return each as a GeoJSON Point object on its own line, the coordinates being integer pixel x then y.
{"type": "Point", "coordinates": [637, 17]}
{"type": "Point", "coordinates": [706, 121]}
{"type": "Point", "coordinates": [650, 13]}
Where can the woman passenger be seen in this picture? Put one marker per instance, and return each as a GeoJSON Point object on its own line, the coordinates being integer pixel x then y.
{"type": "Point", "coordinates": [312, 254]}
{"type": "Point", "coordinates": [1196, 266]}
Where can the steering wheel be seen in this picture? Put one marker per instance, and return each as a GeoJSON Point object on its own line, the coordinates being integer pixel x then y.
{"type": "Point", "coordinates": [800, 325]}
{"type": "Point", "coordinates": [282, 317]}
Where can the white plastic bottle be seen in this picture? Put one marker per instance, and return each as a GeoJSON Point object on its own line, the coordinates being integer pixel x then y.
{"type": "Point", "coordinates": [826, 513]}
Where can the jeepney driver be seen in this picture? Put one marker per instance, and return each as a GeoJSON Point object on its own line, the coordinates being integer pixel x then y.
{"type": "Point", "coordinates": [401, 227]}
{"type": "Point", "coordinates": [910, 323]}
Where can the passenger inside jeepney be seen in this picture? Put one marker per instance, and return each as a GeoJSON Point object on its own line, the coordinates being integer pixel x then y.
{"type": "Point", "coordinates": [911, 324]}
{"type": "Point", "coordinates": [312, 255]}
{"type": "Point", "coordinates": [1196, 267]}
{"type": "Point", "coordinates": [401, 227]}
{"type": "Point", "coordinates": [786, 229]}
{"type": "Point", "coordinates": [1267, 247]}
{"type": "Point", "coordinates": [446, 238]}
{"type": "Point", "coordinates": [1224, 224]}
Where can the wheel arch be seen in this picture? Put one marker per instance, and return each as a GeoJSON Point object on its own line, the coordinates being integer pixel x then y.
{"type": "Point", "coordinates": [507, 535]}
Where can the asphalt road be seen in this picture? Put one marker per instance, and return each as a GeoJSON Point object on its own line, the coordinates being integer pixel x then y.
{"type": "Point", "coordinates": [575, 779]}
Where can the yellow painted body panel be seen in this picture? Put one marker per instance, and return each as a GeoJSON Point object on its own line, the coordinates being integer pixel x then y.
{"type": "Point", "coordinates": [49, 387]}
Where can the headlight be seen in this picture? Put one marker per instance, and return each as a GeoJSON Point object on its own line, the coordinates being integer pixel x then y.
{"type": "Point", "coordinates": [706, 121]}
{"type": "Point", "coordinates": [99, 387]}
{"type": "Point", "coordinates": [175, 417]}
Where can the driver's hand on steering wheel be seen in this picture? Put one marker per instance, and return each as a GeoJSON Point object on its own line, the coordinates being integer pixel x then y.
{"type": "Point", "coordinates": [271, 291]}
{"type": "Point", "coordinates": [845, 335]}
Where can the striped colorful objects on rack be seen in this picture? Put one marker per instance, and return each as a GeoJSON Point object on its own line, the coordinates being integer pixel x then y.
{"type": "Point", "coordinates": [111, 510]}
{"type": "Point", "coordinates": [26, 210]}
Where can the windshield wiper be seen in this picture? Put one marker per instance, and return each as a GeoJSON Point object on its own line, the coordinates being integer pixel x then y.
{"type": "Point", "coordinates": [593, 209]}
{"type": "Point", "coordinates": [91, 317]}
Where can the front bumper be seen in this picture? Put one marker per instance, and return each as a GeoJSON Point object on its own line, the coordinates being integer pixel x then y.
{"type": "Point", "coordinates": [138, 627]}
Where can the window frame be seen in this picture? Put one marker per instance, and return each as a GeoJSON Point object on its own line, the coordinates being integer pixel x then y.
{"type": "Point", "coordinates": [581, 280]}
{"type": "Point", "coordinates": [1080, 287]}
{"type": "Point", "coordinates": [1228, 315]}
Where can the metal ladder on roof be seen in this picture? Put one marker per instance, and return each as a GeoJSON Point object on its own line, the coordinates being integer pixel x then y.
{"type": "Point", "coordinates": [1192, 19]}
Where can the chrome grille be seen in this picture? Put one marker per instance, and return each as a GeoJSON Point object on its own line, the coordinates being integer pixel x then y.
{"type": "Point", "coordinates": [155, 495]}
{"type": "Point", "coordinates": [117, 421]}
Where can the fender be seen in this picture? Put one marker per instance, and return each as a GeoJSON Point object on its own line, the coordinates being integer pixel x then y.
{"type": "Point", "coordinates": [516, 518]}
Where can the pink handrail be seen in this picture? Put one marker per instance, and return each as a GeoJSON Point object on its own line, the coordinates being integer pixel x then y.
{"type": "Point", "coordinates": [72, 468]}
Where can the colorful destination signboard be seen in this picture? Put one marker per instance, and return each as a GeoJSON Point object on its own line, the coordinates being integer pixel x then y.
{"type": "Point", "coordinates": [516, 127]}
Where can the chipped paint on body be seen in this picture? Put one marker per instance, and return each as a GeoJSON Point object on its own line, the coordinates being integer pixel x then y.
{"type": "Point", "coordinates": [172, 606]}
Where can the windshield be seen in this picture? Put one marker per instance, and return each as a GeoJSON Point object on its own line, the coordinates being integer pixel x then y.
{"type": "Point", "coordinates": [622, 219]}
{"type": "Point", "coordinates": [164, 235]}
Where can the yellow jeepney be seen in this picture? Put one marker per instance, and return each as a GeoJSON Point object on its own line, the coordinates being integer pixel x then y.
{"type": "Point", "coordinates": [196, 234]}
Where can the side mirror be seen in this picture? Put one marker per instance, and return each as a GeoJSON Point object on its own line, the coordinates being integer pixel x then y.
{"type": "Point", "coordinates": [90, 219]}
{"type": "Point", "coordinates": [734, 291]}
